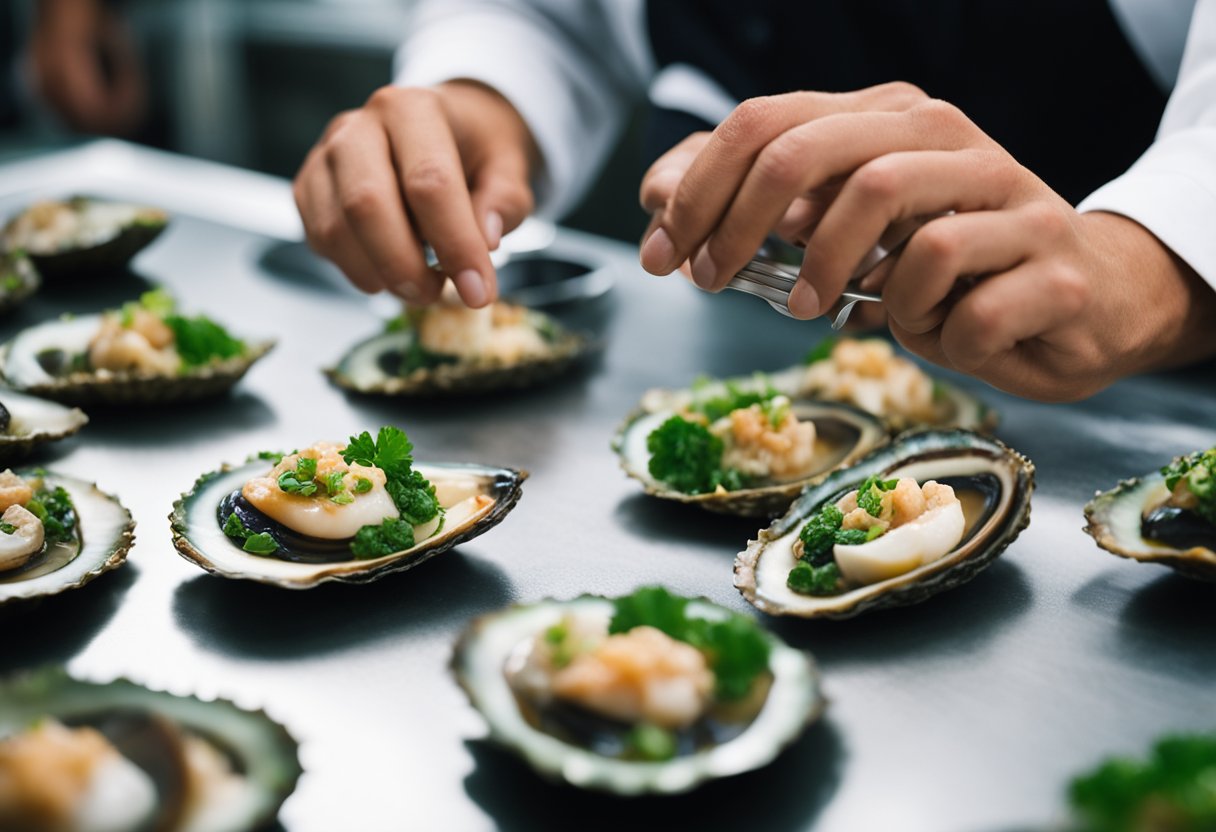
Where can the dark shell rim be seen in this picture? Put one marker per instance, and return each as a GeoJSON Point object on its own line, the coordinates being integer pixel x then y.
{"type": "Point", "coordinates": [388, 564]}
{"type": "Point", "coordinates": [932, 580]}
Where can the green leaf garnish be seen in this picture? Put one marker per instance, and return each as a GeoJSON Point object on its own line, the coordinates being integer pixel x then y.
{"type": "Point", "coordinates": [1198, 472]}
{"type": "Point", "coordinates": [650, 743]}
{"type": "Point", "coordinates": [814, 580]}
{"type": "Point", "coordinates": [7, 528]}
{"type": "Point", "coordinates": [261, 543]}
{"type": "Point", "coordinates": [687, 457]}
{"type": "Point", "coordinates": [735, 648]}
{"type": "Point", "coordinates": [55, 509]}
{"type": "Point", "coordinates": [391, 536]}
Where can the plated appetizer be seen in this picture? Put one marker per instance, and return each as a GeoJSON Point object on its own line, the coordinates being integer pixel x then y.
{"type": "Point", "coordinates": [147, 352]}
{"type": "Point", "coordinates": [83, 757]}
{"type": "Point", "coordinates": [1170, 791]}
{"type": "Point", "coordinates": [1167, 517]}
{"type": "Point", "coordinates": [744, 451]}
{"type": "Point", "coordinates": [82, 236]}
{"type": "Point", "coordinates": [865, 373]}
{"type": "Point", "coordinates": [57, 533]}
{"type": "Point", "coordinates": [352, 512]}
{"type": "Point", "coordinates": [18, 279]}
{"type": "Point", "coordinates": [449, 348]}
{"type": "Point", "coordinates": [27, 422]}
{"type": "Point", "coordinates": [922, 515]}
{"type": "Point", "coordinates": [646, 693]}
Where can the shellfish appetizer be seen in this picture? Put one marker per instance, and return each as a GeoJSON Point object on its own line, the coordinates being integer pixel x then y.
{"type": "Point", "coordinates": [1167, 517]}
{"type": "Point", "coordinates": [648, 693]}
{"type": "Point", "coordinates": [83, 757]}
{"type": "Point", "coordinates": [866, 373]}
{"type": "Point", "coordinates": [18, 279]}
{"type": "Point", "coordinates": [27, 422]}
{"type": "Point", "coordinates": [917, 517]}
{"type": "Point", "coordinates": [57, 533]}
{"type": "Point", "coordinates": [351, 512]}
{"type": "Point", "coordinates": [147, 352]}
{"type": "Point", "coordinates": [83, 236]}
{"type": "Point", "coordinates": [744, 451]}
{"type": "Point", "coordinates": [450, 348]}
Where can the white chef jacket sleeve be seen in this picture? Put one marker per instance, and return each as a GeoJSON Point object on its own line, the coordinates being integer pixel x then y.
{"type": "Point", "coordinates": [1171, 189]}
{"type": "Point", "coordinates": [571, 69]}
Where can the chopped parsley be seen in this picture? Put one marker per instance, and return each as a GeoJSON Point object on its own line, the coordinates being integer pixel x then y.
{"type": "Point", "coordinates": [55, 509]}
{"type": "Point", "coordinates": [821, 351]}
{"type": "Point", "coordinates": [1198, 471]}
{"type": "Point", "coordinates": [735, 398]}
{"type": "Point", "coordinates": [300, 480]}
{"type": "Point", "coordinates": [816, 573]}
{"type": "Point", "coordinates": [393, 535]}
{"type": "Point", "coordinates": [814, 580]}
{"type": "Point", "coordinates": [261, 543]}
{"type": "Point", "coordinates": [198, 339]}
{"type": "Point", "coordinates": [411, 492]}
{"type": "Point", "coordinates": [736, 649]}
{"type": "Point", "coordinates": [7, 528]}
{"type": "Point", "coordinates": [362, 485]}
{"type": "Point", "coordinates": [650, 743]}
{"type": "Point", "coordinates": [688, 458]}
{"type": "Point", "coordinates": [1174, 790]}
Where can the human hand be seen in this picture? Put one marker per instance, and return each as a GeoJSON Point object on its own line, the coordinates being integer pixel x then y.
{"type": "Point", "coordinates": [449, 167]}
{"type": "Point", "coordinates": [85, 66]}
{"type": "Point", "coordinates": [1015, 287]}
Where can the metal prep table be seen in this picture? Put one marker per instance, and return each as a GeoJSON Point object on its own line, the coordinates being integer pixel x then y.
{"type": "Point", "coordinates": [968, 712]}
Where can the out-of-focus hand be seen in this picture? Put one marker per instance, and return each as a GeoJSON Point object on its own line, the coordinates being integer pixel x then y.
{"type": "Point", "coordinates": [1015, 287]}
{"type": "Point", "coordinates": [449, 167]}
{"type": "Point", "coordinates": [84, 65]}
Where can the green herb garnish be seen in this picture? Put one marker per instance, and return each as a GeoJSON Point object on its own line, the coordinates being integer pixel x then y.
{"type": "Point", "coordinates": [362, 485]}
{"type": "Point", "coordinates": [688, 458]}
{"type": "Point", "coordinates": [650, 743]}
{"type": "Point", "coordinates": [55, 509]}
{"type": "Point", "coordinates": [821, 351]}
{"type": "Point", "coordinates": [736, 649]}
{"type": "Point", "coordinates": [816, 573]}
{"type": "Point", "coordinates": [735, 398]}
{"type": "Point", "coordinates": [300, 480]}
{"type": "Point", "coordinates": [411, 492]}
{"type": "Point", "coordinates": [261, 543]}
{"type": "Point", "coordinates": [393, 535]}
{"type": "Point", "coordinates": [869, 494]}
{"type": "Point", "coordinates": [814, 580]}
{"type": "Point", "coordinates": [1198, 471]}
{"type": "Point", "coordinates": [7, 528]}
{"type": "Point", "coordinates": [1174, 790]}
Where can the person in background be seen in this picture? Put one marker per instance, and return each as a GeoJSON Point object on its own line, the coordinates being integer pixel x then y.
{"type": "Point", "coordinates": [80, 63]}
{"type": "Point", "coordinates": [823, 122]}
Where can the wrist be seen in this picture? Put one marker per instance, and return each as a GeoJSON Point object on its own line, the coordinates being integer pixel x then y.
{"type": "Point", "coordinates": [1164, 311]}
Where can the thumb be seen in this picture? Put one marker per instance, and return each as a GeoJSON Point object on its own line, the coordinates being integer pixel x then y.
{"type": "Point", "coordinates": [502, 197]}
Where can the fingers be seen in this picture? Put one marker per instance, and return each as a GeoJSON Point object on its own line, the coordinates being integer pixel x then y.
{"type": "Point", "coordinates": [501, 196]}
{"type": "Point", "coordinates": [364, 186]}
{"type": "Point", "coordinates": [804, 159]}
{"type": "Point", "coordinates": [893, 187]}
{"type": "Point", "coordinates": [433, 181]}
{"type": "Point", "coordinates": [663, 177]}
{"type": "Point", "coordinates": [707, 188]}
{"type": "Point", "coordinates": [325, 224]}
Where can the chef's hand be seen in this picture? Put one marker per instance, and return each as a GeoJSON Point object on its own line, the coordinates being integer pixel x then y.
{"type": "Point", "coordinates": [448, 166]}
{"type": "Point", "coordinates": [1016, 287]}
{"type": "Point", "coordinates": [86, 68]}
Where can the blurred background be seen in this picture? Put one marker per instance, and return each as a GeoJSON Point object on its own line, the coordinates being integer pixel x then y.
{"type": "Point", "coordinates": [252, 83]}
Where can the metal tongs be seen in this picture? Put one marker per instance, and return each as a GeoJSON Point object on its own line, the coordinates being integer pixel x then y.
{"type": "Point", "coordinates": [772, 273]}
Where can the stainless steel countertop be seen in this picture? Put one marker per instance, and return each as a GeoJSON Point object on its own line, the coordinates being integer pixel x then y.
{"type": "Point", "coordinates": [968, 712]}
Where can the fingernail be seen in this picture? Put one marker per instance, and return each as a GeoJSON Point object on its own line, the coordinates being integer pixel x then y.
{"type": "Point", "coordinates": [704, 269]}
{"type": "Point", "coordinates": [471, 287]}
{"type": "Point", "coordinates": [658, 252]}
{"type": "Point", "coordinates": [493, 229]}
{"type": "Point", "coordinates": [804, 300]}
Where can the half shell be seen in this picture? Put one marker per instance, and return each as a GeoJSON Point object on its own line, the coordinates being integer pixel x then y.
{"type": "Point", "coordinates": [199, 538]}
{"type": "Point", "coordinates": [993, 482]}
{"type": "Point", "coordinates": [371, 366]}
{"type": "Point", "coordinates": [24, 363]}
{"type": "Point", "coordinates": [843, 435]}
{"type": "Point", "coordinates": [794, 701]}
{"type": "Point", "coordinates": [18, 279]}
{"type": "Point", "coordinates": [1114, 517]}
{"type": "Point", "coordinates": [33, 422]}
{"type": "Point", "coordinates": [83, 236]}
{"type": "Point", "coordinates": [152, 724]}
{"type": "Point", "coordinates": [107, 532]}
